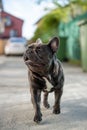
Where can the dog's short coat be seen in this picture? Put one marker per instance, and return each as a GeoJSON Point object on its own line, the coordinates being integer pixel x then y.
{"type": "Point", "coordinates": [45, 74]}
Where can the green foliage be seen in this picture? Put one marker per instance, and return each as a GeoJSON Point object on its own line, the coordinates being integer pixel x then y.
{"type": "Point", "coordinates": [48, 25]}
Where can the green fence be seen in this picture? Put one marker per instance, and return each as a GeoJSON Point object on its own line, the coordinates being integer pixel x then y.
{"type": "Point", "coordinates": [83, 37]}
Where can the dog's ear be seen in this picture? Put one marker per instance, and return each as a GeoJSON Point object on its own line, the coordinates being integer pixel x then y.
{"type": "Point", "coordinates": [39, 41]}
{"type": "Point", "coordinates": [54, 44]}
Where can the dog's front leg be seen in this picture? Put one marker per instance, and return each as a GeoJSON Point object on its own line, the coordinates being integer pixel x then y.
{"type": "Point", "coordinates": [58, 94]}
{"type": "Point", "coordinates": [36, 98]}
{"type": "Point", "coordinates": [45, 100]}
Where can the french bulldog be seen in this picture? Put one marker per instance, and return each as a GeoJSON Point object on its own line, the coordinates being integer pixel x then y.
{"type": "Point", "coordinates": [45, 74]}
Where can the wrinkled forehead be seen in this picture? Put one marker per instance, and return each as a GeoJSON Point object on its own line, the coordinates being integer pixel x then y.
{"type": "Point", "coordinates": [34, 45]}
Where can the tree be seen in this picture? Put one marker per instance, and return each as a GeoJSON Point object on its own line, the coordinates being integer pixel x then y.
{"type": "Point", "coordinates": [48, 25]}
{"type": "Point", "coordinates": [56, 2]}
{"type": "Point", "coordinates": [76, 6]}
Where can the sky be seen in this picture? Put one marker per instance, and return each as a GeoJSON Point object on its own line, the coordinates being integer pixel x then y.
{"type": "Point", "coordinates": [27, 10]}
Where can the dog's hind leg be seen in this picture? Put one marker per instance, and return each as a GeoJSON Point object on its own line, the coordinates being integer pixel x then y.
{"type": "Point", "coordinates": [45, 100]}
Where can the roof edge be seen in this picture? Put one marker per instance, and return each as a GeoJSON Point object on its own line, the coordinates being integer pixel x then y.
{"type": "Point", "coordinates": [13, 15]}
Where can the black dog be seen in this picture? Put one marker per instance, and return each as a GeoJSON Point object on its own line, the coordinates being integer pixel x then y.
{"type": "Point", "coordinates": [45, 74]}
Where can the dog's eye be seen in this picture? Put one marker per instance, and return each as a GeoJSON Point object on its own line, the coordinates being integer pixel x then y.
{"type": "Point", "coordinates": [38, 49]}
{"type": "Point", "coordinates": [30, 47]}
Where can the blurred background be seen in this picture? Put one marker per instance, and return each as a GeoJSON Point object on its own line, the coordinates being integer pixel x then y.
{"type": "Point", "coordinates": [22, 22]}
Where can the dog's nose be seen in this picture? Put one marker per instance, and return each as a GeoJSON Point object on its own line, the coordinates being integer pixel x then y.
{"type": "Point", "coordinates": [25, 57]}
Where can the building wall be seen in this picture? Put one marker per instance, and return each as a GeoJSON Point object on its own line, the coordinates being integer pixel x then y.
{"type": "Point", "coordinates": [16, 25]}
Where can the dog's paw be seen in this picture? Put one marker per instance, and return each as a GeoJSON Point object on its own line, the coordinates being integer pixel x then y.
{"type": "Point", "coordinates": [38, 118]}
{"type": "Point", "coordinates": [46, 105]}
{"type": "Point", "coordinates": [56, 111]}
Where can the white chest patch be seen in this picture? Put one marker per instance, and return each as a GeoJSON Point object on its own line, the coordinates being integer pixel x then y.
{"type": "Point", "coordinates": [48, 84]}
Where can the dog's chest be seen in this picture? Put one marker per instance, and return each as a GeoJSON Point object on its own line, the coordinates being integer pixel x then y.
{"type": "Point", "coordinates": [48, 84]}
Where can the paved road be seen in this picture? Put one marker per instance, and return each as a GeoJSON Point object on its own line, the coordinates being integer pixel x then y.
{"type": "Point", "coordinates": [16, 111]}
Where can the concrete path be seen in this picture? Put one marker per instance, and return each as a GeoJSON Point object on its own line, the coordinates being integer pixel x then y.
{"type": "Point", "coordinates": [16, 111]}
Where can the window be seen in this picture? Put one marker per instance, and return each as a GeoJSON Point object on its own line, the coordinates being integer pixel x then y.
{"type": "Point", "coordinates": [8, 21]}
{"type": "Point", "coordinates": [13, 33]}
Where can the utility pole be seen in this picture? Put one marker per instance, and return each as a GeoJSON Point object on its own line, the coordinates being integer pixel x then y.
{"type": "Point", "coordinates": [1, 5]}
{"type": "Point", "coordinates": [2, 28]}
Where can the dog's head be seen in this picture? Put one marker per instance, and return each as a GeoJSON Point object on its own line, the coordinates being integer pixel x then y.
{"type": "Point", "coordinates": [38, 56]}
